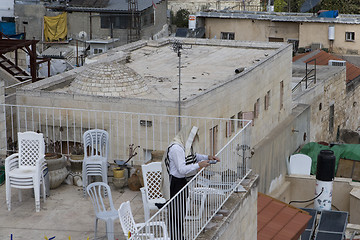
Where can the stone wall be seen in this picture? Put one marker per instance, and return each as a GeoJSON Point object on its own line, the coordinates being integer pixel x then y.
{"type": "Point", "coordinates": [272, 153]}
{"type": "Point", "coordinates": [329, 90]}
{"type": "Point", "coordinates": [345, 195]}
{"type": "Point", "coordinates": [194, 6]}
{"type": "Point", "coordinates": [30, 18]}
{"type": "Point", "coordinates": [241, 223]}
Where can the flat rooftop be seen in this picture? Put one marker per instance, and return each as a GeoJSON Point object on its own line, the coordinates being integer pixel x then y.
{"type": "Point", "coordinates": [202, 68]}
{"type": "Point", "coordinates": [205, 64]}
{"type": "Point", "coordinates": [280, 16]}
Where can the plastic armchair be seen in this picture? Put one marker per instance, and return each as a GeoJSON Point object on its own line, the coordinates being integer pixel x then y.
{"type": "Point", "coordinates": [151, 192]}
{"type": "Point", "coordinates": [129, 226]}
{"type": "Point", "coordinates": [96, 148]}
{"type": "Point", "coordinates": [203, 192]}
{"type": "Point", "coordinates": [300, 164]}
{"type": "Point", "coordinates": [103, 211]}
{"type": "Point", "coordinates": [25, 169]}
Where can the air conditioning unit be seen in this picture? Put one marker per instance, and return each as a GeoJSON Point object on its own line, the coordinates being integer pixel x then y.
{"type": "Point", "coordinates": [337, 63]}
{"type": "Point", "coordinates": [315, 46]}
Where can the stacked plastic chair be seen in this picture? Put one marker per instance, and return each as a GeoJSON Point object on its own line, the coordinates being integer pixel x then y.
{"type": "Point", "coordinates": [25, 170]}
{"type": "Point", "coordinates": [96, 148]}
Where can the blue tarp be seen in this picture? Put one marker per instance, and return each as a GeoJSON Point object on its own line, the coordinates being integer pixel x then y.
{"type": "Point", "coordinates": [17, 36]}
{"type": "Point", "coordinates": [7, 28]}
{"type": "Point", "coordinates": [329, 14]}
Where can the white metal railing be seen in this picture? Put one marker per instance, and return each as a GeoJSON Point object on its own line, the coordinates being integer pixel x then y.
{"type": "Point", "coordinates": [191, 209]}
{"type": "Point", "coordinates": [200, 199]}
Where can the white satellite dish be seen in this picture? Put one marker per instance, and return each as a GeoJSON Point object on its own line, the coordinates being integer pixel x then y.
{"type": "Point", "coordinates": [82, 34]}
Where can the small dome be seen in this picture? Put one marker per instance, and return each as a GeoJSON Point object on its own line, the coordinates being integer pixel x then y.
{"type": "Point", "coordinates": [109, 79]}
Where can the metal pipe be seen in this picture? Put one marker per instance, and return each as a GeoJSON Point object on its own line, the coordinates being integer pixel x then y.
{"type": "Point", "coordinates": [179, 55]}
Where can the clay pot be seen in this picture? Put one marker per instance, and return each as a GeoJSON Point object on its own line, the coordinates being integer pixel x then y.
{"type": "Point", "coordinates": [56, 164]}
{"type": "Point", "coordinates": [76, 162]}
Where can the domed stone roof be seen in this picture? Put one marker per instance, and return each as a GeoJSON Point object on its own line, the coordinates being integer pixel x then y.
{"type": "Point", "coordinates": [109, 79]}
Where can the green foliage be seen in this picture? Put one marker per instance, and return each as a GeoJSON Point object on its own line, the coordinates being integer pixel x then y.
{"type": "Point", "coordinates": [181, 19]}
{"type": "Point", "coordinates": [343, 6]}
{"type": "Point", "coordinates": [280, 6]}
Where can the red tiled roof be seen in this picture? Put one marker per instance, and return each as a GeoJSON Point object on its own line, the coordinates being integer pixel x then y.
{"type": "Point", "coordinates": [322, 58]}
{"type": "Point", "coordinates": [297, 57]}
{"type": "Point", "coordinates": [278, 220]}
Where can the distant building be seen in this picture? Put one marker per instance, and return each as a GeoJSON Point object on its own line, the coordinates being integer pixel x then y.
{"type": "Point", "coordinates": [221, 79]}
{"type": "Point", "coordinates": [194, 6]}
{"type": "Point", "coordinates": [107, 18]}
{"type": "Point", "coordinates": [6, 9]}
{"type": "Point", "coordinates": [304, 30]}
{"type": "Point", "coordinates": [332, 96]}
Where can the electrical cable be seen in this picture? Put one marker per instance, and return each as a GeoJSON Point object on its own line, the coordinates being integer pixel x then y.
{"type": "Point", "coordinates": [322, 190]}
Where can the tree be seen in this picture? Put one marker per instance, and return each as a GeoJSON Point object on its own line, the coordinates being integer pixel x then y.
{"type": "Point", "coordinates": [181, 19]}
{"type": "Point", "coordinates": [280, 6]}
{"type": "Point", "coordinates": [343, 6]}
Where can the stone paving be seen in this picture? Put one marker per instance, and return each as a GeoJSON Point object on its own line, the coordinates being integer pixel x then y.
{"type": "Point", "coordinates": [66, 214]}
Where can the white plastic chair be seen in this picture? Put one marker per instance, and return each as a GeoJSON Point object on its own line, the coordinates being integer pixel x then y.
{"type": "Point", "coordinates": [129, 226]}
{"type": "Point", "coordinates": [103, 211]}
{"type": "Point", "coordinates": [25, 169]}
{"type": "Point", "coordinates": [300, 164]}
{"type": "Point", "coordinates": [151, 192]}
{"type": "Point", "coordinates": [96, 148]}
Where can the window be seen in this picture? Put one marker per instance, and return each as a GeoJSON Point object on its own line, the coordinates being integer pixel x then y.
{"type": "Point", "coordinates": [249, 116]}
{"type": "Point", "coordinates": [228, 35]}
{"type": "Point", "coordinates": [281, 94]}
{"type": "Point", "coordinates": [331, 119]}
{"type": "Point", "coordinates": [257, 108]}
{"type": "Point", "coordinates": [349, 36]}
{"type": "Point", "coordinates": [240, 117]}
{"type": "Point", "coordinates": [230, 126]}
{"type": "Point", "coordinates": [213, 140]}
{"type": "Point", "coordinates": [97, 50]}
{"type": "Point", "coordinates": [267, 100]}
{"type": "Point", "coordinates": [275, 39]}
{"type": "Point", "coordinates": [148, 19]}
{"type": "Point", "coordinates": [115, 22]}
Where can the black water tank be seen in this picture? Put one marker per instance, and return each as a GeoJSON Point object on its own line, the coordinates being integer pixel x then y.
{"type": "Point", "coordinates": [325, 169]}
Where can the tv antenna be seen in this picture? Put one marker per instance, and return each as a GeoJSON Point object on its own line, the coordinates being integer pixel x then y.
{"type": "Point", "coordinates": [177, 47]}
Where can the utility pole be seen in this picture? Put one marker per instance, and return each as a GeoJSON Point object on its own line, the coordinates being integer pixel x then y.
{"type": "Point", "coordinates": [177, 47]}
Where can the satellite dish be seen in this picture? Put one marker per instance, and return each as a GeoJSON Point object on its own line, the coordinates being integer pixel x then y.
{"type": "Point", "coordinates": [82, 34]}
{"type": "Point", "coordinates": [309, 4]}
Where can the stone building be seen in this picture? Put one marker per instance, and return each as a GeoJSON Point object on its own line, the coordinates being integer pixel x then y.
{"type": "Point", "coordinates": [194, 6]}
{"type": "Point", "coordinates": [305, 30]}
{"type": "Point", "coordinates": [219, 79]}
{"type": "Point", "coordinates": [332, 98]}
{"type": "Point", "coordinates": [106, 19]}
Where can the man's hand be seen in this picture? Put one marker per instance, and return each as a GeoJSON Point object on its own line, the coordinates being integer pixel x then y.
{"type": "Point", "coordinates": [211, 157]}
{"type": "Point", "coordinates": [203, 164]}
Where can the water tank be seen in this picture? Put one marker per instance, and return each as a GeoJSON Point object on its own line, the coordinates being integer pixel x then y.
{"type": "Point", "coordinates": [332, 32]}
{"type": "Point", "coordinates": [325, 170]}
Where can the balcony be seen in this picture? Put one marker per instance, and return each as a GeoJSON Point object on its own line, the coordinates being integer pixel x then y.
{"type": "Point", "coordinates": [202, 198]}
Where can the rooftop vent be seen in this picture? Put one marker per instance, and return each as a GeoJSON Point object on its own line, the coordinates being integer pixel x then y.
{"type": "Point", "coordinates": [337, 63]}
